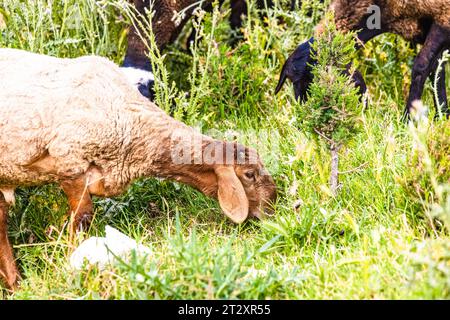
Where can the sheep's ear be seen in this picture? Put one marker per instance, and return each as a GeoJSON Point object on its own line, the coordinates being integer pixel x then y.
{"type": "Point", "coordinates": [282, 80]}
{"type": "Point", "coordinates": [231, 194]}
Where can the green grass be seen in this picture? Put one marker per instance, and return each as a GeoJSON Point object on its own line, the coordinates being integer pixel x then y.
{"type": "Point", "coordinates": [377, 239]}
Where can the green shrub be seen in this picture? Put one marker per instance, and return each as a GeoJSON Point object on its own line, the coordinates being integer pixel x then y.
{"type": "Point", "coordinates": [332, 110]}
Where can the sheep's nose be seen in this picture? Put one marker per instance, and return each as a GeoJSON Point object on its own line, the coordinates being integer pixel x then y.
{"type": "Point", "coordinates": [262, 214]}
{"type": "Point", "coordinates": [269, 212]}
{"type": "Point", "coordinates": [146, 89]}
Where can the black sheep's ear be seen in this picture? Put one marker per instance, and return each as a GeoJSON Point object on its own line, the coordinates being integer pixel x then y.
{"type": "Point", "coordinates": [301, 90]}
{"type": "Point", "coordinates": [297, 67]}
{"type": "Point", "coordinates": [282, 79]}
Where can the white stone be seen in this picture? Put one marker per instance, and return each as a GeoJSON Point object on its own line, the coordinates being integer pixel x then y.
{"type": "Point", "coordinates": [102, 250]}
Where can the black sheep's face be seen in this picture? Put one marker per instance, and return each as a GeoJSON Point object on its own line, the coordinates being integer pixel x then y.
{"type": "Point", "coordinates": [297, 68]}
{"type": "Point", "coordinates": [147, 89]}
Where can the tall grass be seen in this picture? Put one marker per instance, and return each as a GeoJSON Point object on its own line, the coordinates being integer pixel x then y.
{"type": "Point", "coordinates": [380, 237]}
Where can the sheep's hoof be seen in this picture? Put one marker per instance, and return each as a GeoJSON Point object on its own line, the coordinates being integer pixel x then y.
{"type": "Point", "coordinates": [83, 222]}
{"type": "Point", "coordinates": [10, 280]}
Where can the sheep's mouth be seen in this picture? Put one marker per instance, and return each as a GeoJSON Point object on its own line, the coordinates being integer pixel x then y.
{"type": "Point", "coordinates": [262, 213]}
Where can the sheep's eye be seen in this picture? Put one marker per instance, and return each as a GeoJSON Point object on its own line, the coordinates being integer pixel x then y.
{"type": "Point", "coordinates": [250, 174]}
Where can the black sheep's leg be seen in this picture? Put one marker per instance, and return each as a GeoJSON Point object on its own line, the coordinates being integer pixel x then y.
{"type": "Point", "coordinates": [424, 63]}
{"type": "Point", "coordinates": [238, 8]}
{"type": "Point", "coordinates": [294, 3]}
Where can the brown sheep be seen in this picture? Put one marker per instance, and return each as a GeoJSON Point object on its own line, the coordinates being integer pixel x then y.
{"type": "Point", "coordinates": [79, 123]}
{"type": "Point", "coordinates": [425, 22]}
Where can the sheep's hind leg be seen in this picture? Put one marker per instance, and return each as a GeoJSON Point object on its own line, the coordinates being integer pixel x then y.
{"type": "Point", "coordinates": [424, 63]}
{"type": "Point", "coordinates": [8, 269]}
{"type": "Point", "coordinates": [81, 210]}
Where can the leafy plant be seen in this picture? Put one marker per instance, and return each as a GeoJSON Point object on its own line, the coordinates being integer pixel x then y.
{"type": "Point", "coordinates": [333, 107]}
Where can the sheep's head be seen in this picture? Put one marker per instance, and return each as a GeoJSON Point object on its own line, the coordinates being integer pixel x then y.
{"type": "Point", "coordinates": [230, 172]}
{"type": "Point", "coordinates": [297, 68]}
{"type": "Point", "coordinates": [245, 190]}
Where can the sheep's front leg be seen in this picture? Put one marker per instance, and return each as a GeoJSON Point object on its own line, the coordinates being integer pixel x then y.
{"type": "Point", "coordinates": [424, 63]}
{"type": "Point", "coordinates": [238, 8]}
{"type": "Point", "coordinates": [81, 210]}
{"type": "Point", "coordinates": [8, 269]}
